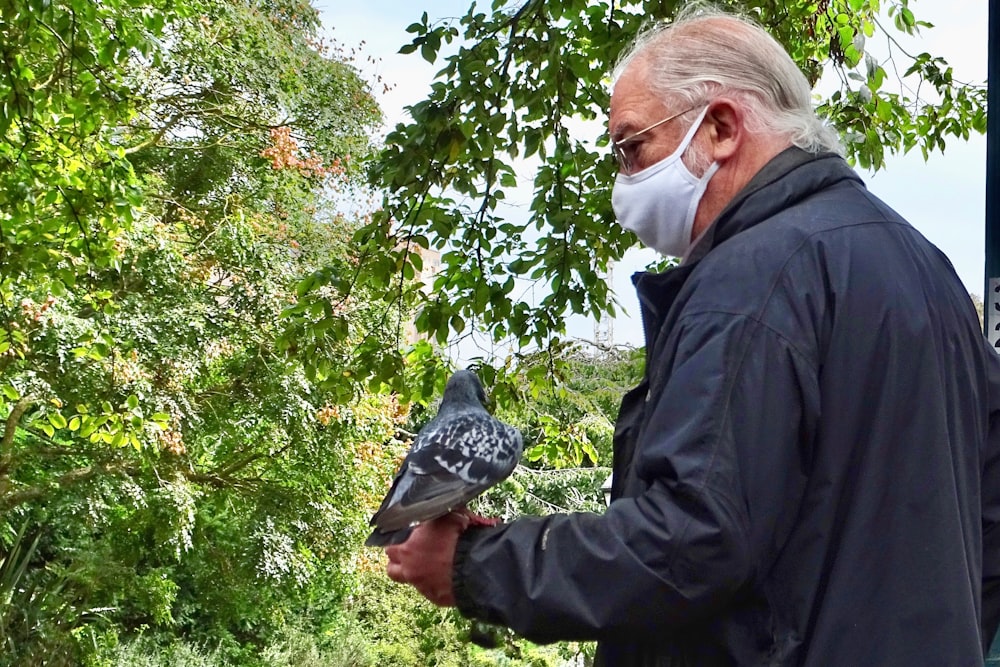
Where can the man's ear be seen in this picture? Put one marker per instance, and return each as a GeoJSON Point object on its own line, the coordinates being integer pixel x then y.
{"type": "Point", "coordinates": [724, 122]}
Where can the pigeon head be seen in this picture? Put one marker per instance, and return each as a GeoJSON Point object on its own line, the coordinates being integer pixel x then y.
{"type": "Point", "coordinates": [464, 387]}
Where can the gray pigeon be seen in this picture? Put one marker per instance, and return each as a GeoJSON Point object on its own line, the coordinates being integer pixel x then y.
{"type": "Point", "coordinates": [459, 454]}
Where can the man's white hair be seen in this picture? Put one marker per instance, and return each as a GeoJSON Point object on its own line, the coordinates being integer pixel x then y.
{"type": "Point", "coordinates": [706, 53]}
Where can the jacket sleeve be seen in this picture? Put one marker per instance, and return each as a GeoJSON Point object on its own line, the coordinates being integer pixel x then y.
{"type": "Point", "coordinates": [991, 510]}
{"type": "Point", "coordinates": [714, 451]}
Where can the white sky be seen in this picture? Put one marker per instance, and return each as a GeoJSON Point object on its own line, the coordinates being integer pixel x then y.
{"type": "Point", "coordinates": [944, 197]}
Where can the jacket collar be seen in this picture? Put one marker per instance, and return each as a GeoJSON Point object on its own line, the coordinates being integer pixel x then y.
{"type": "Point", "coordinates": [789, 177]}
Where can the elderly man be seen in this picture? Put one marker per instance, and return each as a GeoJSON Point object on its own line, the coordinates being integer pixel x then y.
{"type": "Point", "coordinates": [807, 474]}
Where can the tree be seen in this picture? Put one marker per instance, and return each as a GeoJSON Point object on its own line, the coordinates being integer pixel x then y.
{"type": "Point", "coordinates": [170, 176]}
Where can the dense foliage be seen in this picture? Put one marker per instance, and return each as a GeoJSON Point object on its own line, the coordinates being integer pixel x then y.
{"type": "Point", "coordinates": [168, 173]}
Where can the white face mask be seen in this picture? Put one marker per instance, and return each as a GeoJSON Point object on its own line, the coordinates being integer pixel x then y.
{"type": "Point", "coordinates": [659, 202]}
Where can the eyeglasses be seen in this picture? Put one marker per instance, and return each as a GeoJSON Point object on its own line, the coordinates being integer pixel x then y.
{"type": "Point", "coordinates": [622, 158]}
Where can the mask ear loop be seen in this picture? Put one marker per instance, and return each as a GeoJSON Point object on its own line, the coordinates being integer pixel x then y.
{"type": "Point", "coordinates": [689, 137]}
{"type": "Point", "coordinates": [695, 200]}
{"type": "Point", "coordinates": [700, 183]}
{"type": "Point", "coordinates": [686, 142]}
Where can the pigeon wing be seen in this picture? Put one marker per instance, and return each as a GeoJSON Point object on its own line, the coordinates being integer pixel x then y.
{"type": "Point", "coordinates": [451, 462]}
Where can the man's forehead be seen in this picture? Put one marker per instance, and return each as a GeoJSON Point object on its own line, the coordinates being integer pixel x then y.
{"type": "Point", "coordinates": [633, 103]}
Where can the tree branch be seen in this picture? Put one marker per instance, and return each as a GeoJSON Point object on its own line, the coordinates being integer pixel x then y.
{"type": "Point", "coordinates": [244, 462]}
{"type": "Point", "coordinates": [71, 478]}
{"type": "Point", "coordinates": [7, 444]}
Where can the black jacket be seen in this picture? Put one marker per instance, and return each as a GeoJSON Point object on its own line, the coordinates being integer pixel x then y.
{"type": "Point", "coordinates": [806, 475]}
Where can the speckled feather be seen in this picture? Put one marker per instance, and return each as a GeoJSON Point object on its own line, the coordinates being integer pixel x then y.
{"type": "Point", "coordinates": [459, 454]}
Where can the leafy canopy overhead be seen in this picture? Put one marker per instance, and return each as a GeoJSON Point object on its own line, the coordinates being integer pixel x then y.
{"type": "Point", "coordinates": [516, 85]}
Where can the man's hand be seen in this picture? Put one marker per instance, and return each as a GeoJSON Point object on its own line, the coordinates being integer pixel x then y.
{"type": "Point", "coordinates": [425, 560]}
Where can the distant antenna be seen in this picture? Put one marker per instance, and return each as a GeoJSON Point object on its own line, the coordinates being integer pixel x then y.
{"type": "Point", "coordinates": [604, 327]}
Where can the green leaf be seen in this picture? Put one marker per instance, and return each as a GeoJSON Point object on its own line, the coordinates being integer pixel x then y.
{"type": "Point", "coordinates": [88, 427]}
{"type": "Point", "coordinates": [306, 285]}
{"type": "Point", "coordinates": [428, 52]}
{"type": "Point", "coordinates": [56, 419]}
